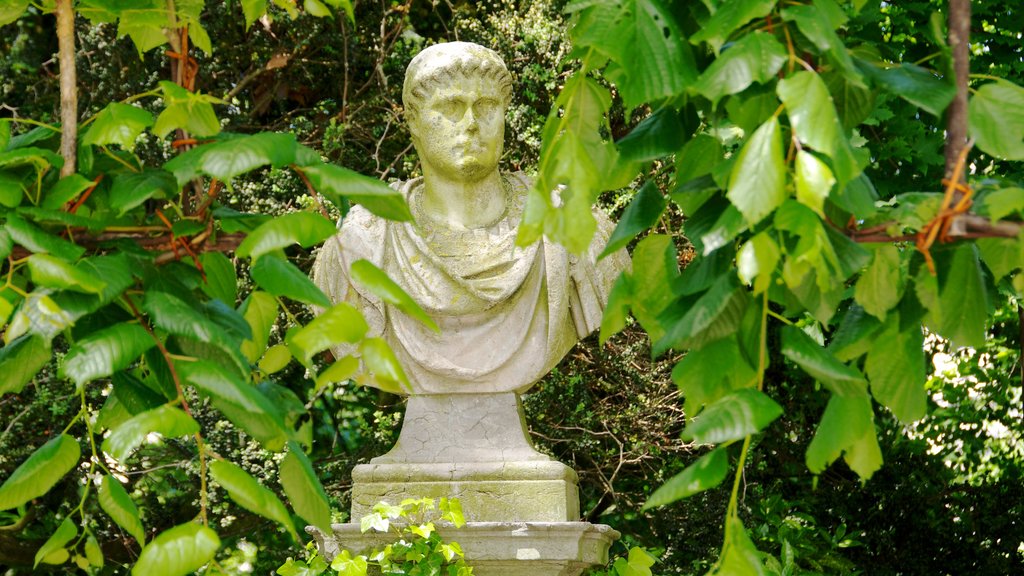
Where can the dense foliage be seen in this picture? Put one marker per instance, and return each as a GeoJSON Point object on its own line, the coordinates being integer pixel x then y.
{"type": "Point", "coordinates": [786, 158]}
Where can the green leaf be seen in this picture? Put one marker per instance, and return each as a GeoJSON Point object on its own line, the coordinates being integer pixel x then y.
{"type": "Point", "coordinates": [704, 474]}
{"type": "Point", "coordinates": [36, 240]}
{"type": "Point", "coordinates": [698, 157]}
{"type": "Point", "coordinates": [896, 369]}
{"type": "Point", "coordinates": [616, 310]}
{"type": "Point", "coordinates": [20, 360]}
{"type": "Point", "coordinates": [104, 352]}
{"type": "Point", "coordinates": [916, 85]}
{"type": "Point", "coordinates": [347, 565]}
{"type": "Point", "coordinates": [660, 134]}
{"type": "Point", "coordinates": [814, 181]}
{"type": "Point", "coordinates": [232, 155]}
{"type": "Point", "coordinates": [275, 359]}
{"type": "Point", "coordinates": [192, 113]}
{"type": "Point", "coordinates": [302, 228]}
{"type": "Point", "coordinates": [741, 413]}
{"type": "Point", "coordinates": [880, 288]}
{"type": "Point", "coordinates": [638, 31]}
{"type": "Point", "coordinates": [65, 190]}
{"type": "Point", "coordinates": [655, 271]}
{"type": "Point", "coordinates": [757, 260]}
{"type": "Point", "coordinates": [221, 282]}
{"type": "Point", "coordinates": [819, 363]}
{"type": "Point", "coordinates": [178, 551]}
{"type": "Point", "coordinates": [168, 421]}
{"type": "Point", "coordinates": [819, 27]}
{"type": "Point", "coordinates": [250, 494]}
{"type": "Point", "coordinates": [39, 158]}
{"type": "Point", "coordinates": [65, 532]}
{"type": "Point", "coordinates": [132, 189]}
{"type": "Point", "coordinates": [337, 183]}
{"type": "Point", "coordinates": [757, 57]}
{"type": "Point", "coordinates": [341, 323]}
{"type": "Point", "coordinates": [643, 212]}
{"type": "Point", "coordinates": [93, 552]}
{"type": "Point", "coordinates": [853, 337]}
{"type": "Point", "coordinates": [847, 426]}
{"type": "Point", "coordinates": [240, 402]}
{"type": "Point", "coordinates": [116, 502]}
{"type": "Point", "coordinates": [303, 488]}
{"type": "Point", "coordinates": [382, 367]}
{"type": "Point", "coordinates": [853, 103]}
{"type": "Point", "coordinates": [996, 119]}
{"type": "Point", "coordinates": [56, 273]}
{"type": "Point", "coordinates": [1003, 202]}
{"type": "Point", "coordinates": [260, 311]}
{"type": "Point", "coordinates": [175, 316]}
{"type": "Point", "coordinates": [11, 191]}
{"type": "Point", "coordinates": [814, 119]}
{"type": "Point", "coordinates": [253, 10]}
{"type": "Point", "coordinates": [717, 313]}
{"type": "Point", "coordinates": [377, 282]}
{"type": "Point", "coordinates": [758, 182]}
{"type": "Point", "coordinates": [36, 475]}
{"type": "Point", "coordinates": [1001, 255]}
{"type": "Point", "coordinates": [118, 124]}
{"type": "Point", "coordinates": [12, 10]}
{"type": "Point", "coordinates": [706, 376]}
{"type": "Point", "coordinates": [963, 299]}
{"type": "Point", "coordinates": [282, 278]}
{"type": "Point", "coordinates": [730, 15]}
{"type": "Point", "coordinates": [739, 555]}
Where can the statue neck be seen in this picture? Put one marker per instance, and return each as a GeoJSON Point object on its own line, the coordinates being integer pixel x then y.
{"type": "Point", "coordinates": [461, 203]}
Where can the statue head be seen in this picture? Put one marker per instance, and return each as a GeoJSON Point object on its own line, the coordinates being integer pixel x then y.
{"type": "Point", "coordinates": [455, 96]}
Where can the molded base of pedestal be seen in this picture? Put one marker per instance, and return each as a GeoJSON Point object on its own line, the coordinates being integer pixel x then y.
{"type": "Point", "coordinates": [499, 548]}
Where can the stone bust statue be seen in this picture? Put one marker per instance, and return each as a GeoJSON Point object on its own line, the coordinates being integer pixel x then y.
{"type": "Point", "coordinates": [507, 313]}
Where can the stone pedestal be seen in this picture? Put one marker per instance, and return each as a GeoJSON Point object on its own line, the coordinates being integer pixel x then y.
{"type": "Point", "coordinates": [520, 505]}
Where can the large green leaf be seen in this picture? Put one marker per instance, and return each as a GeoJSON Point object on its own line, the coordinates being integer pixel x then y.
{"type": "Point", "coordinates": [191, 112]}
{"type": "Point", "coordinates": [132, 189]}
{"type": "Point", "coordinates": [707, 375]}
{"type": "Point", "coordinates": [53, 272]}
{"type": "Point", "coordinates": [221, 282]}
{"type": "Point", "coordinates": [716, 314]}
{"type": "Point", "coordinates": [52, 551]}
{"type": "Point", "coordinates": [741, 413]}
{"type": "Point", "coordinates": [35, 476]}
{"type": "Point", "coordinates": [36, 240]}
{"type": "Point", "coordinates": [963, 298]}
{"type": "Point", "coordinates": [916, 85]}
{"type": "Point", "coordinates": [40, 158]}
{"type": "Point", "coordinates": [896, 369]}
{"type": "Point", "coordinates": [632, 31]}
{"type": "Point", "coordinates": [240, 402]}
{"type": "Point", "coordinates": [21, 360]}
{"type": "Point", "coordinates": [303, 488]}
{"type": "Point", "coordinates": [12, 190]}
{"type": "Point", "coordinates": [820, 364]}
{"type": "Point", "coordinates": [655, 271]}
{"type": "Point", "coordinates": [814, 181]}
{"type": "Point", "coordinates": [302, 228]}
{"type": "Point", "coordinates": [730, 15]}
{"type": "Point", "coordinates": [996, 119]}
{"type": "Point", "coordinates": [282, 278]}
{"type": "Point", "coordinates": [341, 323]}
{"type": "Point", "coordinates": [260, 311]}
{"type": "Point", "coordinates": [739, 555]}
{"type": "Point", "coordinates": [643, 211]}
{"type": "Point", "coordinates": [758, 182]}
{"type": "Point", "coordinates": [757, 260]}
{"type": "Point", "coordinates": [377, 282]}
{"type": "Point", "coordinates": [249, 494]}
{"type": "Point", "coordinates": [116, 502]}
{"type": "Point", "coordinates": [178, 551]}
{"type": "Point", "coordinates": [880, 288]}
{"type": "Point", "coordinates": [846, 426]}
{"type": "Point", "coordinates": [757, 57]}
{"type": "Point", "coordinates": [660, 134]}
{"type": "Point", "coordinates": [616, 310]}
{"type": "Point", "coordinates": [118, 124]}
{"type": "Point", "coordinates": [176, 316]}
{"type": "Point", "coordinates": [706, 473]}
{"type": "Point", "coordinates": [104, 352]}
{"type": "Point", "coordinates": [168, 421]}
{"type": "Point", "coordinates": [814, 120]}
{"type": "Point", "coordinates": [231, 156]}
{"type": "Point", "coordinates": [337, 183]}
{"type": "Point", "coordinates": [382, 367]}
{"type": "Point", "coordinates": [819, 26]}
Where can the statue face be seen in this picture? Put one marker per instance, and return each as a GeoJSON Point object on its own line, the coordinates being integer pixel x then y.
{"type": "Point", "coordinates": [459, 130]}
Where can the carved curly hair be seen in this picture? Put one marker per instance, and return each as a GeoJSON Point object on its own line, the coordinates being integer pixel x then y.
{"type": "Point", "coordinates": [442, 64]}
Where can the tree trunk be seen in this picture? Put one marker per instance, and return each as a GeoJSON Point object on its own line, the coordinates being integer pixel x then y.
{"type": "Point", "coordinates": [959, 42]}
{"type": "Point", "coordinates": [68, 86]}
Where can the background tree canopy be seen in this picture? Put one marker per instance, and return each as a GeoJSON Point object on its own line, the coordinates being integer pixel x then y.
{"type": "Point", "coordinates": [816, 354]}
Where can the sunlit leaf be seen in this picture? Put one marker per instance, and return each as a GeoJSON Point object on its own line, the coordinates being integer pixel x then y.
{"type": "Point", "coordinates": [880, 288]}
{"type": "Point", "coordinates": [996, 119]}
{"type": "Point", "coordinates": [896, 368]}
{"type": "Point", "coordinates": [377, 282]}
{"type": "Point", "coordinates": [36, 475]}
{"type": "Point", "coordinates": [730, 15]}
{"type": "Point", "coordinates": [118, 124]}
{"type": "Point", "coordinates": [741, 413]}
{"type": "Point", "coordinates": [249, 494]}
{"type": "Point", "coordinates": [177, 551]}
{"type": "Point", "coordinates": [337, 183]}
{"type": "Point", "coordinates": [758, 182]}
{"type": "Point", "coordinates": [56, 273]}
{"type": "Point", "coordinates": [382, 367]}
{"type": "Point", "coordinates": [706, 473]}
{"type": "Point", "coordinates": [57, 541]}
{"type": "Point", "coordinates": [756, 57]}
{"type": "Point", "coordinates": [116, 502]}
{"type": "Point", "coordinates": [167, 421]}
{"type": "Point", "coordinates": [104, 352]}
{"type": "Point", "coordinates": [282, 278]}
{"type": "Point", "coordinates": [260, 311]}
{"type": "Point", "coordinates": [303, 488]}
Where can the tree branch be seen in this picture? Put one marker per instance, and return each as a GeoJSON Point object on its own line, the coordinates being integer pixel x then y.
{"type": "Point", "coordinates": [68, 86]}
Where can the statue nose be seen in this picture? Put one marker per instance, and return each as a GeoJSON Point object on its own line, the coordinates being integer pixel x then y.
{"type": "Point", "coordinates": [469, 121]}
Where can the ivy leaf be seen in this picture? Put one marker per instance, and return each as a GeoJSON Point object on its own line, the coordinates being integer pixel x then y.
{"type": "Point", "coordinates": [303, 488]}
{"type": "Point", "coordinates": [741, 413]}
{"type": "Point", "coordinates": [757, 57]}
{"type": "Point", "coordinates": [178, 551]}
{"type": "Point", "coordinates": [250, 494]}
{"type": "Point", "coordinates": [880, 288]}
{"type": "Point", "coordinates": [377, 282]}
{"type": "Point", "coordinates": [302, 228]}
{"type": "Point", "coordinates": [916, 85]}
{"type": "Point", "coordinates": [643, 211]}
{"type": "Point", "coordinates": [347, 565]}
{"type": "Point", "coordinates": [36, 475]}
{"type": "Point", "coordinates": [104, 352]}
{"type": "Point", "coordinates": [383, 369]}
{"type": "Point", "coordinates": [56, 542]}
{"type": "Point", "coordinates": [704, 474]}
{"type": "Point", "coordinates": [282, 278]}
{"type": "Point", "coordinates": [168, 421]}
{"type": "Point", "coordinates": [240, 402]}
{"type": "Point", "coordinates": [260, 311]}
{"type": "Point", "coordinates": [758, 182]}
{"type": "Point", "coordinates": [340, 323]}
{"type": "Point", "coordinates": [56, 273]}
{"type": "Point", "coordinates": [118, 124]}
{"type": "Point", "coordinates": [896, 369]}
{"type": "Point", "coordinates": [996, 119]}
{"type": "Point", "coordinates": [190, 112]}
{"type": "Point", "coordinates": [337, 183]}
{"type": "Point", "coordinates": [116, 502]}
{"type": "Point", "coordinates": [132, 189]}
{"type": "Point", "coordinates": [20, 360]}
{"type": "Point", "coordinates": [729, 16]}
